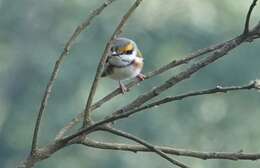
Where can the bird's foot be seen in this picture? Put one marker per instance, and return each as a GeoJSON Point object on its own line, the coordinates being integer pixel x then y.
{"type": "Point", "coordinates": [141, 76]}
{"type": "Point", "coordinates": [123, 88]}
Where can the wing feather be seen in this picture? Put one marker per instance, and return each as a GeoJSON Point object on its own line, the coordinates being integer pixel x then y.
{"type": "Point", "coordinates": [107, 70]}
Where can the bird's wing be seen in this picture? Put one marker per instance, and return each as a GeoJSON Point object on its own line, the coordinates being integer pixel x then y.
{"type": "Point", "coordinates": [139, 54]}
{"type": "Point", "coordinates": [108, 69]}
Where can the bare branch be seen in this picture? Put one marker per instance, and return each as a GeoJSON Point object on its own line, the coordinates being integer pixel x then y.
{"type": "Point", "coordinates": [102, 62]}
{"type": "Point", "coordinates": [228, 46]}
{"type": "Point", "coordinates": [248, 16]}
{"type": "Point", "coordinates": [44, 153]}
{"type": "Point", "coordinates": [173, 151]}
{"type": "Point", "coordinates": [218, 51]}
{"type": "Point", "coordinates": [68, 126]}
{"type": "Point", "coordinates": [180, 77]}
{"type": "Point", "coordinates": [217, 89]}
{"type": "Point", "coordinates": [254, 34]}
{"type": "Point", "coordinates": [144, 143]}
{"type": "Point", "coordinates": [129, 109]}
{"type": "Point", "coordinates": [151, 74]}
{"type": "Point", "coordinates": [55, 71]}
{"type": "Point", "coordinates": [171, 65]}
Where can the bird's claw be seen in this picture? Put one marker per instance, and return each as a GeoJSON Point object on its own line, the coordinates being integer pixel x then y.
{"type": "Point", "coordinates": [123, 88]}
{"type": "Point", "coordinates": [141, 76]}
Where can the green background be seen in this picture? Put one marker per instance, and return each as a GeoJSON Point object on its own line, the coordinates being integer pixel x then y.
{"type": "Point", "coordinates": [33, 34]}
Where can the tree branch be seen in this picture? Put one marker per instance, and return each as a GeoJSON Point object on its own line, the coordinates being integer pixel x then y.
{"type": "Point", "coordinates": [173, 151]}
{"type": "Point", "coordinates": [129, 109]}
{"type": "Point", "coordinates": [171, 65]}
{"type": "Point", "coordinates": [144, 143]}
{"type": "Point", "coordinates": [228, 46]}
{"type": "Point", "coordinates": [116, 92]}
{"type": "Point", "coordinates": [44, 153]}
{"type": "Point", "coordinates": [252, 85]}
{"type": "Point", "coordinates": [248, 16]}
{"type": "Point", "coordinates": [254, 34]}
{"type": "Point", "coordinates": [219, 51]}
{"type": "Point", "coordinates": [55, 71]}
{"type": "Point", "coordinates": [102, 62]}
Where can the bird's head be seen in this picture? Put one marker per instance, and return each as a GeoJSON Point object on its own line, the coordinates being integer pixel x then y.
{"type": "Point", "coordinates": [122, 52]}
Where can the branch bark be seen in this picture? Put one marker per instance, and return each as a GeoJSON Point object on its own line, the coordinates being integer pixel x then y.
{"type": "Point", "coordinates": [216, 52]}
{"type": "Point", "coordinates": [248, 16]}
{"type": "Point", "coordinates": [129, 109]}
{"type": "Point", "coordinates": [148, 145]}
{"type": "Point", "coordinates": [56, 68]}
{"type": "Point", "coordinates": [100, 66]}
{"type": "Point", "coordinates": [255, 33]}
{"type": "Point", "coordinates": [116, 92]}
{"type": "Point", "coordinates": [217, 89]}
{"type": "Point", "coordinates": [240, 155]}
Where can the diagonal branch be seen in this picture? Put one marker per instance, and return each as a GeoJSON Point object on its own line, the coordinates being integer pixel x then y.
{"type": "Point", "coordinates": [102, 62]}
{"type": "Point", "coordinates": [218, 89]}
{"type": "Point", "coordinates": [181, 76]}
{"type": "Point", "coordinates": [45, 152]}
{"type": "Point", "coordinates": [171, 65]}
{"type": "Point", "coordinates": [174, 63]}
{"type": "Point", "coordinates": [173, 151]}
{"type": "Point", "coordinates": [144, 143]}
{"type": "Point", "coordinates": [248, 16]}
{"type": "Point", "coordinates": [55, 71]}
{"type": "Point", "coordinates": [227, 47]}
{"type": "Point", "coordinates": [129, 109]}
{"type": "Point", "coordinates": [151, 74]}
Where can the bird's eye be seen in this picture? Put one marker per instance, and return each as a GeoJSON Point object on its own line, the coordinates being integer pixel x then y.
{"type": "Point", "coordinates": [128, 52]}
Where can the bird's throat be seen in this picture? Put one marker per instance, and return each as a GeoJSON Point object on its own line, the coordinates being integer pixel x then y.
{"type": "Point", "coordinates": [122, 60]}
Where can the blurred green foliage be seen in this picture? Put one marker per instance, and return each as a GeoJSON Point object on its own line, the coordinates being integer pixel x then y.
{"type": "Point", "coordinates": [33, 33]}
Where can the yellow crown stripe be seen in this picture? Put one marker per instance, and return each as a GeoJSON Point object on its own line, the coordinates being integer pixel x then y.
{"type": "Point", "coordinates": [128, 47]}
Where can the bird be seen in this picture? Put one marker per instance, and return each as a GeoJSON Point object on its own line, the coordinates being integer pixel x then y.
{"type": "Point", "coordinates": [124, 61]}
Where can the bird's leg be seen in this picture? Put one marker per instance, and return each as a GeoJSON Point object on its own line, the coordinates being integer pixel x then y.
{"type": "Point", "coordinates": [122, 87]}
{"type": "Point", "coordinates": [141, 76]}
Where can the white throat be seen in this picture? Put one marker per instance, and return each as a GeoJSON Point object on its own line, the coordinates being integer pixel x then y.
{"type": "Point", "coordinates": [122, 60]}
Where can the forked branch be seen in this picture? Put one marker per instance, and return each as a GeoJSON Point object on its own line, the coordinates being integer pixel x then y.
{"type": "Point", "coordinates": [140, 100]}
{"type": "Point", "coordinates": [116, 92]}
{"type": "Point", "coordinates": [215, 52]}
{"type": "Point", "coordinates": [248, 16]}
{"type": "Point", "coordinates": [56, 68]}
{"type": "Point", "coordinates": [144, 143]}
{"type": "Point", "coordinates": [172, 64]}
{"type": "Point", "coordinates": [239, 155]}
{"type": "Point", "coordinates": [100, 66]}
{"type": "Point", "coordinates": [218, 89]}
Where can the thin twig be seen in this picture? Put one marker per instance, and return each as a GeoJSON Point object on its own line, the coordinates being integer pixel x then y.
{"type": "Point", "coordinates": [171, 65]}
{"type": "Point", "coordinates": [151, 74]}
{"type": "Point", "coordinates": [129, 109]}
{"type": "Point", "coordinates": [254, 34]}
{"type": "Point", "coordinates": [248, 16]}
{"type": "Point", "coordinates": [67, 127]}
{"type": "Point", "coordinates": [240, 155]}
{"type": "Point", "coordinates": [102, 62]}
{"type": "Point", "coordinates": [144, 143]}
{"type": "Point", "coordinates": [182, 75]}
{"type": "Point", "coordinates": [48, 150]}
{"type": "Point", "coordinates": [55, 71]}
{"type": "Point", "coordinates": [156, 72]}
{"type": "Point", "coordinates": [217, 89]}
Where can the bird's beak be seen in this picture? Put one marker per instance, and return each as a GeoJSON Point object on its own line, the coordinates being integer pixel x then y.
{"type": "Point", "coordinates": [114, 53]}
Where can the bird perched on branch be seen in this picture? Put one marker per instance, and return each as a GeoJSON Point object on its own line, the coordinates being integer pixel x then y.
{"type": "Point", "coordinates": [124, 61]}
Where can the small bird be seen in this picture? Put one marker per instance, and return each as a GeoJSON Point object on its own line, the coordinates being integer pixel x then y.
{"type": "Point", "coordinates": [124, 61]}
